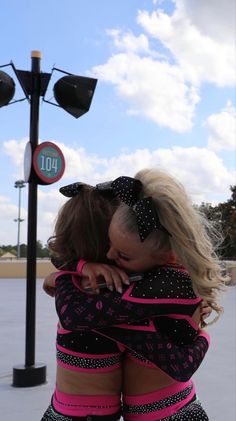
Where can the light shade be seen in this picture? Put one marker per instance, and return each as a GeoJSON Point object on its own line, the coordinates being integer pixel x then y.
{"type": "Point", "coordinates": [75, 93]}
{"type": "Point", "coordinates": [7, 88]}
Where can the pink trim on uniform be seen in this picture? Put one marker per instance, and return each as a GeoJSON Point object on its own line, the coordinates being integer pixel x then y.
{"type": "Point", "coordinates": [82, 405]}
{"type": "Point", "coordinates": [205, 335]}
{"type": "Point", "coordinates": [156, 396]}
{"type": "Point", "coordinates": [151, 398]}
{"type": "Point", "coordinates": [80, 266]}
{"type": "Point", "coordinates": [76, 281]}
{"type": "Point", "coordinates": [61, 330]}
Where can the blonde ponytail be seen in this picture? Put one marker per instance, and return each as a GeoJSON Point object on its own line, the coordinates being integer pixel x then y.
{"type": "Point", "coordinates": [193, 239]}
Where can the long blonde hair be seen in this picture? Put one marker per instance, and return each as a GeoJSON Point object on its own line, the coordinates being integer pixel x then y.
{"type": "Point", "coordinates": [193, 238]}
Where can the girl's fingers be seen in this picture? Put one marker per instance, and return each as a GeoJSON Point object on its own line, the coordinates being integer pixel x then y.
{"type": "Point", "coordinates": [205, 310]}
{"type": "Point", "coordinates": [107, 278]}
{"type": "Point", "coordinates": [104, 275]}
{"type": "Point", "coordinates": [119, 277]}
{"type": "Point", "coordinates": [205, 316]}
{"type": "Point", "coordinates": [93, 284]}
{"type": "Point", "coordinates": [118, 283]}
{"type": "Point", "coordinates": [124, 277]}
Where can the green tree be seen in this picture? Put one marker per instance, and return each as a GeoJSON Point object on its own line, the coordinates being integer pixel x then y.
{"type": "Point", "coordinates": [23, 250]}
{"type": "Point", "coordinates": [227, 211]}
{"type": "Point", "coordinates": [224, 215]}
{"type": "Point", "coordinates": [42, 251]}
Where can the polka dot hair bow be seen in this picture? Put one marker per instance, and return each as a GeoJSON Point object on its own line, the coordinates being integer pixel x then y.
{"type": "Point", "coordinates": [147, 218]}
{"type": "Point", "coordinates": [72, 189]}
{"type": "Point", "coordinates": [128, 190]}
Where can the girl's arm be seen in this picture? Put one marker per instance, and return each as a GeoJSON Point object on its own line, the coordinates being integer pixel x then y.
{"type": "Point", "coordinates": [111, 275]}
{"type": "Point", "coordinates": [118, 319]}
{"type": "Point", "coordinates": [78, 310]}
{"type": "Point", "coordinates": [151, 345]}
{"type": "Point", "coordinates": [49, 284]}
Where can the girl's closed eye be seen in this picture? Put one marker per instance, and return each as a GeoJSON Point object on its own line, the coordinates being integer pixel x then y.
{"type": "Point", "coordinates": [121, 256]}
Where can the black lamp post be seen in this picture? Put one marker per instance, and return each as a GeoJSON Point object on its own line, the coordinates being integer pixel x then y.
{"type": "Point", "coordinates": [74, 94]}
{"type": "Point", "coordinates": [19, 184]}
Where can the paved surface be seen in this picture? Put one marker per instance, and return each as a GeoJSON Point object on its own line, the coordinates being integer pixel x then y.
{"type": "Point", "coordinates": [215, 380]}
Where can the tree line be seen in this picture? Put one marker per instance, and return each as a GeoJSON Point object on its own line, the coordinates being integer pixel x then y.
{"type": "Point", "coordinates": [42, 251]}
{"type": "Point", "coordinates": [223, 215]}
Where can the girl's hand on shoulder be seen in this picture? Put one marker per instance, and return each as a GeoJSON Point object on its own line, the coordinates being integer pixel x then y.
{"type": "Point", "coordinates": [202, 312]}
{"type": "Point", "coordinates": [49, 284]}
{"type": "Point", "coordinates": [99, 275]}
{"type": "Point", "coordinates": [205, 312]}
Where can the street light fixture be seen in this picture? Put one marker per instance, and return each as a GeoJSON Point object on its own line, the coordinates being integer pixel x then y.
{"type": "Point", "coordinates": [19, 184]}
{"type": "Point", "coordinates": [74, 94]}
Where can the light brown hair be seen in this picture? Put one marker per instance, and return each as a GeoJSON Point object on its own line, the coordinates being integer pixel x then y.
{"type": "Point", "coordinates": [81, 228]}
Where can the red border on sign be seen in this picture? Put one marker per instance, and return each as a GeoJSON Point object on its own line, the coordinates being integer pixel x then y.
{"type": "Point", "coordinates": [35, 163]}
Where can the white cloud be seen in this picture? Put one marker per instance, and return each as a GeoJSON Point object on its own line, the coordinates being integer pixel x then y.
{"type": "Point", "coordinates": [128, 41]}
{"type": "Point", "coordinates": [8, 225]}
{"type": "Point", "coordinates": [154, 89]}
{"type": "Point", "coordinates": [8, 209]}
{"type": "Point", "coordinates": [15, 150]}
{"type": "Point", "coordinates": [222, 129]}
{"type": "Point", "coordinates": [188, 164]}
{"type": "Point", "coordinates": [78, 163]}
{"type": "Point", "coordinates": [200, 36]}
{"type": "Point", "coordinates": [199, 169]}
{"type": "Point", "coordinates": [166, 88]}
{"type": "Point", "coordinates": [213, 18]}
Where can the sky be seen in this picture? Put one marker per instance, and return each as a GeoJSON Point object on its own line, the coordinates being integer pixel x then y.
{"type": "Point", "coordinates": [165, 96]}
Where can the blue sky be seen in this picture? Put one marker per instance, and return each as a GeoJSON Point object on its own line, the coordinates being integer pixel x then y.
{"type": "Point", "coordinates": [165, 96]}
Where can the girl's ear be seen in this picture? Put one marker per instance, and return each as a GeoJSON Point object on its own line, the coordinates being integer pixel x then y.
{"type": "Point", "coordinates": [170, 258]}
{"type": "Point", "coordinates": [164, 257]}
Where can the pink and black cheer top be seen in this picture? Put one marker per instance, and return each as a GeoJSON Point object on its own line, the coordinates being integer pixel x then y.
{"type": "Point", "coordinates": [151, 319]}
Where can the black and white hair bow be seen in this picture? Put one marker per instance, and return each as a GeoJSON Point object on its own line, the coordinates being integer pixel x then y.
{"type": "Point", "coordinates": [72, 189]}
{"type": "Point", "coordinates": [128, 190]}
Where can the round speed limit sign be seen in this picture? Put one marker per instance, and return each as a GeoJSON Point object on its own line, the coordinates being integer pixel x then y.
{"type": "Point", "coordinates": [48, 162]}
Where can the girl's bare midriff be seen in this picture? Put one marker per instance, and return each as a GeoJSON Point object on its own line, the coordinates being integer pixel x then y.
{"type": "Point", "coordinates": [149, 380]}
{"type": "Point", "coordinates": [138, 379]}
{"type": "Point", "coordinates": [77, 383]}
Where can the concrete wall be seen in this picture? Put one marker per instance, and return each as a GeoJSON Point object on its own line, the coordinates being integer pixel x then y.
{"type": "Point", "coordinates": [17, 268]}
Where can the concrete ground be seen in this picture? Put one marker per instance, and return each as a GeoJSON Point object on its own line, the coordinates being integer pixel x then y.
{"type": "Point", "coordinates": [215, 380]}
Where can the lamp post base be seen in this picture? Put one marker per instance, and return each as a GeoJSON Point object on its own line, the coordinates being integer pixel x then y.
{"type": "Point", "coordinates": [29, 376]}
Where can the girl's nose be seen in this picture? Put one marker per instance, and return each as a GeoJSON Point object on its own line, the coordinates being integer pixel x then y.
{"type": "Point", "coordinates": [111, 254]}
